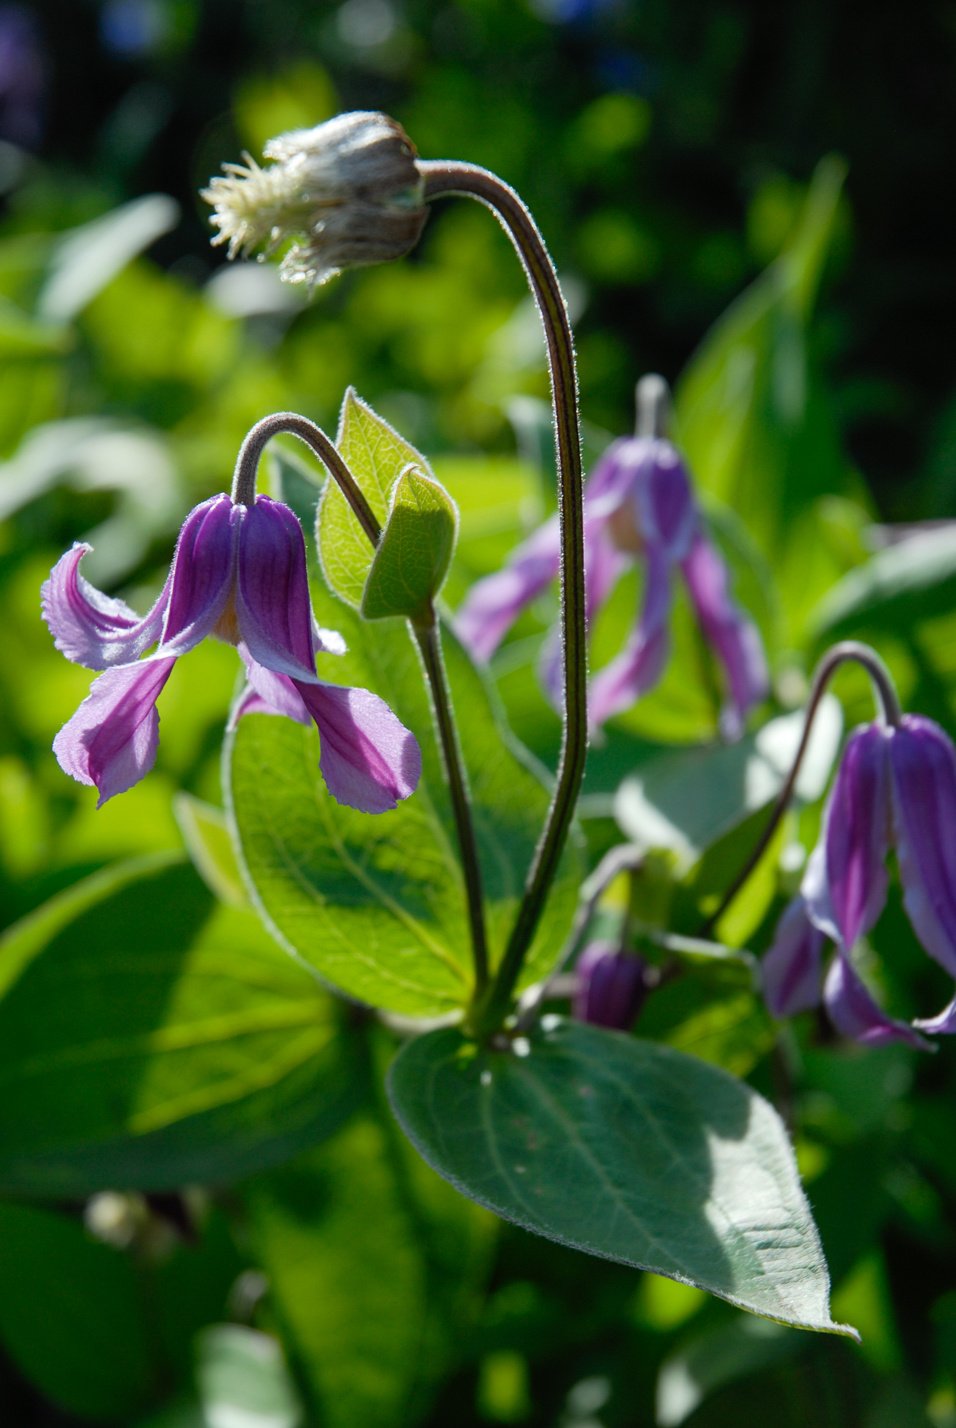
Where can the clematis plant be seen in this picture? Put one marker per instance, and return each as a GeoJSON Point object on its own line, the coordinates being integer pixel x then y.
{"type": "Point", "coordinates": [239, 574]}
{"type": "Point", "coordinates": [639, 508]}
{"type": "Point", "coordinates": [895, 787]}
{"type": "Point", "coordinates": [455, 913]}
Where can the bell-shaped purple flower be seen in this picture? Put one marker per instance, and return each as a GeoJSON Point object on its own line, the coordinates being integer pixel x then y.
{"type": "Point", "coordinates": [239, 573]}
{"type": "Point", "coordinates": [638, 508]}
{"type": "Point", "coordinates": [896, 786]}
{"type": "Point", "coordinates": [610, 986]}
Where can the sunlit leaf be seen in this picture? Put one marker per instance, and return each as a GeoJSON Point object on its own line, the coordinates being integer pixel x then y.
{"type": "Point", "coordinates": [243, 1379]}
{"type": "Point", "coordinates": [628, 1150]}
{"type": "Point", "coordinates": [413, 555]}
{"type": "Point", "coordinates": [685, 801]}
{"type": "Point", "coordinates": [753, 416]}
{"type": "Point", "coordinates": [376, 456]}
{"type": "Point", "coordinates": [376, 904]}
{"type": "Point", "coordinates": [85, 259]}
{"type": "Point", "coordinates": [150, 1037]}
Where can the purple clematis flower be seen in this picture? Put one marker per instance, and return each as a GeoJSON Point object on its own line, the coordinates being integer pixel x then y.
{"type": "Point", "coordinates": [239, 572]}
{"type": "Point", "coordinates": [610, 986]}
{"type": "Point", "coordinates": [638, 506]}
{"type": "Point", "coordinates": [895, 785]}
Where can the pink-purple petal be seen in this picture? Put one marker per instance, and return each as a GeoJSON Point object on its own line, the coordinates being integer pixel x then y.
{"type": "Point", "coordinates": [923, 781]}
{"type": "Point", "coordinates": [790, 971]}
{"type": "Point", "coordinates": [640, 665]}
{"type": "Point", "coordinates": [856, 834]}
{"type": "Point", "coordinates": [268, 693]}
{"type": "Point", "coordinates": [493, 605]}
{"type": "Point", "coordinates": [853, 1011]}
{"type": "Point", "coordinates": [667, 511]}
{"type": "Point", "coordinates": [731, 634]}
{"type": "Point", "coordinates": [610, 986]}
{"type": "Point", "coordinates": [944, 1024]}
{"type": "Point", "coordinates": [603, 566]}
{"type": "Point", "coordinates": [91, 628]}
{"type": "Point", "coordinates": [201, 578]}
{"type": "Point", "coordinates": [368, 759]}
{"type": "Point", "coordinates": [111, 740]}
{"type": "Point", "coordinates": [272, 589]}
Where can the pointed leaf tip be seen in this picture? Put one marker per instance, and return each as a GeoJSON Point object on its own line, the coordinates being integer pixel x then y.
{"type": "Point", "coordinates": [625, 1149]}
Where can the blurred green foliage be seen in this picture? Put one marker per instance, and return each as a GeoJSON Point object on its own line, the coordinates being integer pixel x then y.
{"type": "Point", "coordinates": [676, 157]}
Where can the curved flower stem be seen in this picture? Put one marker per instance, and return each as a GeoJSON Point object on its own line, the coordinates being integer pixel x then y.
{"type": "Point", "coordinates": [889, 711]}
{"type": "Point", "coordinates": [247, 463]}
{"type": "Point", "coordinates": [625, 858]}
{"type": "Point", "coordinates": [428, 639]}
{"type": "Point", "coordinates": [444, 179]}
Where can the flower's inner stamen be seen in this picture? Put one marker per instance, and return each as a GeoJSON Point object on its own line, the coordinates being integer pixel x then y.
{"type": "Point", "coordinates": [625, 531]}
{"type": "Point", "coordinates": [226, 627]}
{"type": "Point", "coordinates": [653, 406]}
{"type": "Point", "coordinates": [889, 711]}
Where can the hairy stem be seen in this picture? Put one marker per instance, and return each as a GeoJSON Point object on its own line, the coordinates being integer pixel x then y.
{"type": "Point", "coordinates": [441, 180]}
{"type": "Point", "coordinates": [428, 639]}
{"type": "Point", "coordinates": [889, 705]}
{"type": "Point", "coordinates": [250, 452]}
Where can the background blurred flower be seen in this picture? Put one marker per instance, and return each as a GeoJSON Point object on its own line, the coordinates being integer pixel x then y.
{"type": "Point", "coordinates": [895, 786]}
{"type": "Point", "coordinates": [638, 508]}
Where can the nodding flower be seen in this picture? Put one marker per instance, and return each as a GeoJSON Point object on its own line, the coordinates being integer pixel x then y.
{"type": "Point", "coordinates": [611, 986]}
{"type": "Point", "coordinates": [895, 787]}
{"type": "Point", "coordinates": [239, 573]}
{"type": "Point", "coordinates": [639, 509]}
{"type": "Point", "coordinates": [343, 194]}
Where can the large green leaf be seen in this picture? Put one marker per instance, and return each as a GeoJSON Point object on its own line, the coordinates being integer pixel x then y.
{"type": "Point", "coordinates": [625, 1149]}
{"type": "Point", "coordinates": [72, 1315]}
{"type": "Point", "coordinates": [376, 456]}
{"type": "Point", "coordinates": [150, 1037]}
{"type": "Point", "coordinates": [377, 904]}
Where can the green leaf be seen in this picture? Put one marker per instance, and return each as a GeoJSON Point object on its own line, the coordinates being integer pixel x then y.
{"type": "Point", "coordinates": [715, 1358]}
{"type": "Point", "coordinates": [901, 586]}
{"type": "Point", "coordinates": [376, 904]}
{"type": "Point", "coordinates": [72, 1316]}
{"type": "Point", "coordinates": [627, 1150]}
{"type": "Point", "coordinates": [346, 1276]}
{"type": "Point", "coordinates": [413, 555]}
{"type": "Point", "coordinates": [376, 456]}
{"type": "Point", "coordinates": [366, 1304]}
{"type": "Point", "coordinates": [754, 418]}
{"type": "Point", "coordinates": [210, 846]}
{"type": "Point", "coordinates": [685, 801]}
{"type": "Point", "coordinates": [150, 1037]}
{"type": "Point", "coordinates": [87, 258]}
{"type": "Point", "coordinates": [242, 1379]}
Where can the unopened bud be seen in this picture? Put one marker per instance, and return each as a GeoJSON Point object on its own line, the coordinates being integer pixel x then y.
{"type": "Point", "coordinates": [611, 987]}
{"type": "Point", "coordinates": [345, 193]}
